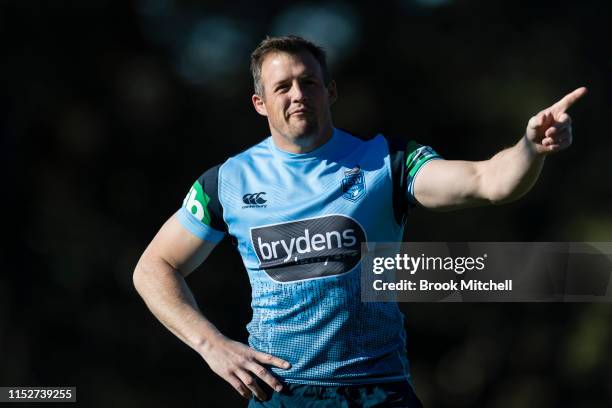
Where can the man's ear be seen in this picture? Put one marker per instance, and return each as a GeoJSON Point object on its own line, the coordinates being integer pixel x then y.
{"type": "Point", "coordinates": [259, 105]}
{"type": "Point", "coordinates": [332, 92]}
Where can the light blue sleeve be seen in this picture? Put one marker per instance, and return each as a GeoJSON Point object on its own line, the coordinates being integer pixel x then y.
{"type": "Point", "coordinates": [198, 228]}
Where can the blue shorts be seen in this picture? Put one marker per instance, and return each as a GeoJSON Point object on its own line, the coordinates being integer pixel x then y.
{"type": "Point", "coordinates": [393, 394]}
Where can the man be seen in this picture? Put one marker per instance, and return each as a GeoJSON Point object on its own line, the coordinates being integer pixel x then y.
{"type": "Point", "coordinates": [298, 205]}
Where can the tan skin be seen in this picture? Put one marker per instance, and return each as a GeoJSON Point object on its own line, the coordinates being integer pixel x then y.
{"type": "Point", "coordinates": [296, 101]}
{"type": "Point", "coordinates": [297, 105]}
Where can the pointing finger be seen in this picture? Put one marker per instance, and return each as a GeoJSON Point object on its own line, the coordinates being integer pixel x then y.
{"type": "Point", "coordinates": [569, 99]}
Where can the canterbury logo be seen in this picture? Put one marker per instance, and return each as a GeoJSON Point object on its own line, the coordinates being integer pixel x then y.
{"type": "Point", "coordinates": [254, 199]}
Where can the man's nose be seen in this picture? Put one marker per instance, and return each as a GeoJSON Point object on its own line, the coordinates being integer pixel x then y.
{"type": "Point", "coordinates": [297, 92]}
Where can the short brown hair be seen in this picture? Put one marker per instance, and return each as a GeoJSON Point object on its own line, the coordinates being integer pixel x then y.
{"type": "Point", "coordinates": [290, 44]}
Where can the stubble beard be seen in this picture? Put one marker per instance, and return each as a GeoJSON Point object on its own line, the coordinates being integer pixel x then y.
{"type": "Point", "coordinates": [303, 134]}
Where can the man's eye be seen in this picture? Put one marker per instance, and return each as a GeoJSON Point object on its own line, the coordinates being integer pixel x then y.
{"type": "Point", "coordinates": [282, 88]}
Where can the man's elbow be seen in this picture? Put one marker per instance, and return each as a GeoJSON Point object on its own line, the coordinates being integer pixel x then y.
{"type": "Point", "coordinates": [139, 276]}
{"type": "Point", "coordinates": [152, 271]}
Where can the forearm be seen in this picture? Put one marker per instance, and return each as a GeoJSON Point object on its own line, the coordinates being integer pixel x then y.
{"type": "Point", "coordinates": [167, 295]}
{"type": "Point", "coordinates": [511, 173]}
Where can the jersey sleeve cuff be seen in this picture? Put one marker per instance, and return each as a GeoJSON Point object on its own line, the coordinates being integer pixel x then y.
{"type": "Point", "coordinates": [200, 230]}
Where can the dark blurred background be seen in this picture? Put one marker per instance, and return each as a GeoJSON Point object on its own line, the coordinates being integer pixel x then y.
{"type": "Point", "coordinates": [110, 110]}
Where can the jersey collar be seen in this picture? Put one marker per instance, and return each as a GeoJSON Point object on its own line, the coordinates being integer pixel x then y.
{"type": "Point", "coordinates": [328, 150]}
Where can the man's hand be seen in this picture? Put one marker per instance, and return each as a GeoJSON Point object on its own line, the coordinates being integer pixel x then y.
{"type": "Point", "coordinates": [239, 365]}
{"type": "Point", "coordinates": [550, 130]}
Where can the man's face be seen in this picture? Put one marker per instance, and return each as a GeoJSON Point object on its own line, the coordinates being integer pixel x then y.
{"type": "Point", "coordinates": [295, 98]}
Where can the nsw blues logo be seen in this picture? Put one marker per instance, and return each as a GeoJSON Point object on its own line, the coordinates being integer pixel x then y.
{"type": "Point", "coordinates": [353, 184]}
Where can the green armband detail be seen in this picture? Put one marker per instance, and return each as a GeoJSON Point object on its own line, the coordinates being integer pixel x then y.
{"type": "Point", "coordinates": [417, 156]}
{"type": "Point", "coordinates": [196, 203]}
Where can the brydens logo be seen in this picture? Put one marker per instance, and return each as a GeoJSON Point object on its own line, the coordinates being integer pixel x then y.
{"type": "Point", "coordinates": [309, 248]}
{"type": "Point", "coordinates": [254, 200]}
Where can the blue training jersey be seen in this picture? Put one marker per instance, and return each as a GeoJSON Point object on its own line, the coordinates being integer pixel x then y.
{"type": "Point", "coordinates": [298, 221]}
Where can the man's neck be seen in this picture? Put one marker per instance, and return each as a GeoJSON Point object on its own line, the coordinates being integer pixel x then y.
{"type": "Point", "coordinates": [311, 143]}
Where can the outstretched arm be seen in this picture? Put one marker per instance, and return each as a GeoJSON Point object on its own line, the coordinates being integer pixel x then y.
{"type": "Point", "coordinates": [159, 279]}
{"type": "Point", "coordinates": [451, 184]}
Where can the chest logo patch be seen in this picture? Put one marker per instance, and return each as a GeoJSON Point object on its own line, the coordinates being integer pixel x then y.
{"type": "Point", "coordinates": [309, 248]}
{"type": "Point", "coordinates": [353, 184]}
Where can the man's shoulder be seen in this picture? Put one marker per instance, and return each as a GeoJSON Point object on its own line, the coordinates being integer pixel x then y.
{"type": "Point", "coordinates": [376, 143]}
{"type": "Point", "coordinates": [391, 141]}
{"type": "Point", "coordinates": [393, 144]}
{"type": "Point", "coordinates": [361, 138]}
